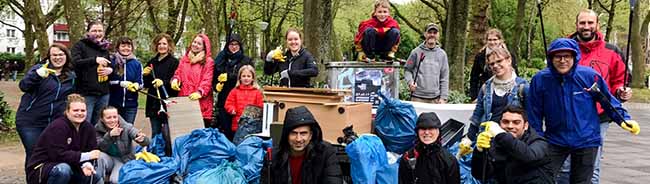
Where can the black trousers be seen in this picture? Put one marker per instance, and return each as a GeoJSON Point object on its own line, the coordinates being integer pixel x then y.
{"type": "Point", "coordinates": [372, 44]}
{"type": "Point", "coordinates": [582, 162]}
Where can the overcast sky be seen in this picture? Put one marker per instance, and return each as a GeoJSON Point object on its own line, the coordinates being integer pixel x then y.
{"type": "Point", "coordinates": [400, 1]}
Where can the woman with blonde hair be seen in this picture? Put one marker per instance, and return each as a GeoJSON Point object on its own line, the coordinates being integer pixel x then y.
{"type": "Point", "coordinates": [480, 71]}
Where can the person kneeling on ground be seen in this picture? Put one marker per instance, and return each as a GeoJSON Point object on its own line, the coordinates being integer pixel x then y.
{"type": "Point", "coordinates": [65, 149]}
{"type": "Point", "coordinates": [428, 162]}
{"type": "Point", "coordinates": [515, 153]}
{"type": "Point", "coordinates": [114, 139]}
{"type": "Point", "coordinates": [303, 156]}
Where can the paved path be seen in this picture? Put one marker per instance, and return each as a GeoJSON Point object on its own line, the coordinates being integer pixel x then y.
{"type": "Point", "coordinates": [626, 159]}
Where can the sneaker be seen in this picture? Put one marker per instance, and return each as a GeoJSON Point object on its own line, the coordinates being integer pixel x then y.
{"type": "Point", "coordinates": [362, 57]}
{"type": "Point", "coordinates": [391, 55]}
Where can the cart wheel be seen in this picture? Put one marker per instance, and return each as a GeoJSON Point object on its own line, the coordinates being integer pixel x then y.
{"type": "Point", "coordinates": [281, 105]}
{"type": "Point", "coordinates": [341, 110]}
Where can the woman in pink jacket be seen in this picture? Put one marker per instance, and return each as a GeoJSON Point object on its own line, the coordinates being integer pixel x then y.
{"type": "Point", "coordinates": [193, 77]}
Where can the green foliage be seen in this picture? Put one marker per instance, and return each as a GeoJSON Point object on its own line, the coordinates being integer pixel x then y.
{"type": "Point", "coordinates": [407, 43]}
{"type": "Point", "coordinates": [528, 69]}
{"type": "Point", "coordinates": [7, 120]}
{"type": "Point", "coordinates": [457, 97]}
{"type": "Point", "coordinates": [5, 56]}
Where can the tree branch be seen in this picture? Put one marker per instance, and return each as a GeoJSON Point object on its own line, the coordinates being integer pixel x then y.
{"type": "Point", "coordinates": [411, 25]}
{"type": "Point", "coordinates": [11, 25]}
{"type": "Point", "coordinates": [603, 7]}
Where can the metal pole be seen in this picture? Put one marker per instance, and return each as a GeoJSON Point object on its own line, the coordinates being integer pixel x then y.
{"type": "Point", "coordinates": [417, 71]}
{"type": "Point", "coordinates": [629, 40]}
{"type": "Point", "coordinates": [541, 21]}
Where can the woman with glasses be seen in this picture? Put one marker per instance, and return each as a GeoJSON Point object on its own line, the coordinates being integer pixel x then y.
{"type": "Point", "coordinates": [480, 71]}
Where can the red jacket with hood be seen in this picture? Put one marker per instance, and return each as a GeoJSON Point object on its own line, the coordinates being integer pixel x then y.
{"type": "Point", "coordinates": [237, 100]}
{"type": "Point", "coordinates": [197, 78]}
{"type": "Point", "coordinates": [606, 59]}
{"type": "Point", "coordinates": [373, 22]}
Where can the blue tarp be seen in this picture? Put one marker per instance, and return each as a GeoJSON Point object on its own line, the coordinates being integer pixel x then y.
{"type": "Point", "coordinates": [139, 171]}
{"type": "Point", "coordinates": [395, 124]}
{"type": "Point", "coordinates": [203, 148]}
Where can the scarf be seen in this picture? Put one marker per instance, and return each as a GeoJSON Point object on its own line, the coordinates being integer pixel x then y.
{"type": "Point", "coordinates": [121, 61]}
{"type": "Point", "coordinates": [501, 87]}
{"type": "Point", "coordinates": [196, 57]}
{"type": "Point", "coordinates": [104, 44]}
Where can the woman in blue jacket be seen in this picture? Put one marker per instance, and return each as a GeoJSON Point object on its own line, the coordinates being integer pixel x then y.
{"type": "Point", "coordinates": [125, 80]}
{"type": "Point", "coordinates": [502, 89]}
{"type": "Point", "coordinates": [45, 88]}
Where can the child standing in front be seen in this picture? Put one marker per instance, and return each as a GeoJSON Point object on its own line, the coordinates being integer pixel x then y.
{"type": "Point", "coordinates": [379, 35]}
{"type": "Point", "coordinates": [247, 92]}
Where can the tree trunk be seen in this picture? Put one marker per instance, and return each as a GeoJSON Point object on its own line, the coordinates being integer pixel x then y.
{"type": "Point", "coordinates": [455, 46]}
{"type": "Point", "coordinates": [317, 26]}
{"type": "Point", "coordinates": [519, 29]}
{"type": "Point", "coordinates": [29, 45]}
{"type": "Point", "coordinates": [610, 20]}
{"type": "Point", "coordinates": [210, 24]}
{"type": "Point", "coordinates": [638, 61]}
{"type": "Point", "coordinates": [75, 18]}
{"type": "Point", "coordinates": [35, 14]}
{"type": "Point", "coordinates": [478, 26]}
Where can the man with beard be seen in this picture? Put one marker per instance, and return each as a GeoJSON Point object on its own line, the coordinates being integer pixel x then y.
{"type": "Point", "coordinates": [607, 59]}
{"type": "Point", "coordinates": [428, 62]}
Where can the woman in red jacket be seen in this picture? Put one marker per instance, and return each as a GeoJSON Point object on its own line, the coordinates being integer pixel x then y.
{"type": "Point", "coordinates": [247, 92]}
{"type": "Point", "coordinates": [193, 77]}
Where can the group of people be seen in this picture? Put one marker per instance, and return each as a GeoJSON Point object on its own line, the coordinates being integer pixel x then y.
{"type": "Point", "coordinates": [9, 70]}
{"type": "Point", "coordinates": [76, 116]}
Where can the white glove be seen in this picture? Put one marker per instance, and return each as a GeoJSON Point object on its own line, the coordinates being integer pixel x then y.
{"type": "Point", "coordinates": [492, 128]}
{"type": "Point", "coordinates": [43, 71]}
{"type": "Point", "coordinates": [125, 84]}
{"type": "Point", "coordinates": [284, 74]}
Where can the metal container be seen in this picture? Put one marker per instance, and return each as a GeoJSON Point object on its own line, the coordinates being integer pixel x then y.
{"type": "Point", "coordinates": [357, 76]}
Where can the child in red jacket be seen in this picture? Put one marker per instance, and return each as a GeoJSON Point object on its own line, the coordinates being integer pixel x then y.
{"type": "Point", "coordinates": [246, 92]}
{"type": "Point", "coordinates": [379, 35]}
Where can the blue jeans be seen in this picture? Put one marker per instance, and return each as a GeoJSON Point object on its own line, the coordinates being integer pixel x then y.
{"type": "Point", "coordinates": [565, 171]}
{"type": "Point", "coordinates": [29, 136]}
{"type": "Point", "coordinates": [128, 114]}
{"type": "Point", "coordinates": [13, 75]}
{"type": "Point", "coordinates": [62, 173]}
{"type": "Point", "coordinates": [94, 104]}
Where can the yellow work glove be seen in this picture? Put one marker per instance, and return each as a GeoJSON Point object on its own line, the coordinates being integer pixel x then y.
{"type": "Point", "coordinates": [219, 87]}
{"type": "Point", "coordinates": [157, 83]}
{"type": "Point", "coordinates": [146, 71]}
{"type": "Point", "coordinates": [195, 96]}
{"type": "Point", "coordinates": [465, 147]}
{"type": "Point", "coordinates": [632, 126]}
{"type": "Point", "coordinates": [147, 157]}
{"type": "Point", "coordinates": [43, 71]}
{"type": "Point", "coordinates": [101, 78]}
{"type": "Point", "coordinates": [176, 85]}
{"type": "Point", "coordinates": [492, 128]}
{"type": "Point", "coordinates": [223, 77]}
{"type": "Point", "coordinates": [483, 141]}
{"type": "Point", "coordinates": [277, 54]}
{"type": "Point", "coordinates": [133, 87]}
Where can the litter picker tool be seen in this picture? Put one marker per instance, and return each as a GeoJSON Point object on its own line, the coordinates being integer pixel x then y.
{"type": "Point", "coordinates": [417, 71]}
{"type": "Point", "coordinates": [153, 72]}
{"type": "Point", "coordinates": [629, 40]}
{"type": "Point", "coordinates": [605, 102]}
{"type": "Point", "coordinates": [541, 21]}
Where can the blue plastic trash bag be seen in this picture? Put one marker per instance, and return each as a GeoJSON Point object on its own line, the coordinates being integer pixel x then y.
{"type": "Point", "coordinates": [139, 171]}
{"type": "Point", "coordinates": [465, 165]}
{"type": "Point", "coordinates": [395, 124]}
{"type": "Point", "coordinates": [226, 173]}
{"type": "Point", "coordinates": [203, 148]}
{"type": "Point", "coordinates": [250, 154]}
{"type": "Point", "coordinates": [367, 155]}
{"type": "Point", "coordinates": [157, 146]}
{"type": "Point", "coordinates": [389, 174]}
{"type": "Point", "coordinates": [249, 123]}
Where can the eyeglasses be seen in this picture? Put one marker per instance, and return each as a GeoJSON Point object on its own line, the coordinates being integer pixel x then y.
{"type": "Point", "coordinates": [567, 57]}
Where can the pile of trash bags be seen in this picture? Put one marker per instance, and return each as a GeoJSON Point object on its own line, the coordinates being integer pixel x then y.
{"type": "Point", "coordinates": [204, 156]}
{"type": "Point", "coordinates": [395, 124]}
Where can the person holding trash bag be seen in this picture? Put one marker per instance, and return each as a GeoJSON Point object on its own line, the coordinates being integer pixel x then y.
{"type": "Point", "coordinates": [427, 70]}
{"type": "Point", "coordinates": [193, 78]}
{"type": "Point", "coordinates": [162, 66]}
{"type": "Point", "coordinates": [114, 138]}
{"type": "Point", "coordinates": [45, 88]}
{"type": "Point", "coordinates": [296, 65]}
{"type": "Point", "coordinates": [514, 152]}
{"type": "Point", "coordinates": [562, 99]}
{"type": "Point", "coordinates": [225, 78]}
{"type": "Point", "coordinates": [126, 80]}
{"type": "Point", "coordinates": [428, 161]}
{"type": "Point", "coordinates": [303, 157]}
{"type": "Point", "coordinates": [65, 151]}
{"type": "Point", "coordinates": [503, 89]}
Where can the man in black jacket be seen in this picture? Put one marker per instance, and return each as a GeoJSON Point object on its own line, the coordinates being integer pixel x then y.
{"type": "Point", "coordinates": [428, 162]}
{"type": "Point", "coordinates": [302, 156]}
{"type": "Point", "coordinates": [515, 155]}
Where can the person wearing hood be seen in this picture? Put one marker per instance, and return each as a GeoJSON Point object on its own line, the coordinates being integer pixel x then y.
{"type": "Point", "coordinates": [163, 66]}
{"type": "Point", "coordinates": [379, 35]}
{"type": "Point", "coordinates": [501, 90]}
{"type": "Point", "coordinates": [303, 156]}
{"type": "Point", "coordinates": [227, 65]}
{"type": "Point", "coordinates": [126, 80]}
{"type": "Point", "coordinates": [92, 66]}
{"type": "Point", "coordinates": [515, 153]}
{"type": "Point", "coordinates": [607, 60]}
{"type": "Point", "coordinates": [193, 77]}
{"type": "Point", "coordinates": [296, 65]}
{"type": "Point", "coordinates": [115, 137]}
{"type": "Point", "coordinates": [481, 72]}
{"type": "Point", "coordinates": [428, 161]}
{"type": "Point", "coordinates": [45, 87]}
{"type": "Point", "coordinates": [562, 100]}
{"type": "Point", "coordinates": [428, 62]}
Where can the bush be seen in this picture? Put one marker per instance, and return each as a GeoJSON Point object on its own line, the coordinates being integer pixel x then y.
{"type": "Point", "coordinates": [7, 121]}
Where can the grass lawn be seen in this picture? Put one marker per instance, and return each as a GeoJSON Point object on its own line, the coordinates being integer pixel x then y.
{"type": "Point", "coordinates": [641, 95]}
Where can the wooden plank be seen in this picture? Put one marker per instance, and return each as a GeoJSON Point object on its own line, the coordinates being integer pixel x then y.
{"type": "Point", "coordinates": [184, 116]}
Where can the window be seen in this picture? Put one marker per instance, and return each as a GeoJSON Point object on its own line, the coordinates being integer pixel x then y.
{"type": "Point", "coordinates": [61, 36]}
{"type": "Point", "coordinates": [11, 33]}
{"type": "Point", "coordinates": [11, 50]}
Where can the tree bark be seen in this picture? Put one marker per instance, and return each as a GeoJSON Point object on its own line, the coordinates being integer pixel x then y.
{"type": "Point", "coordinates": [479, 26]}
{"type": "Point", "coordinates": [75, 18]}
{"type": "Point", "coordinates": [457, 29]}
{"type": "Point", "coordinates": [317, 26]}
{"type": "Point", "coordinates": [611, 11]}
{"type": "Point", "coordinates": [210, 24]}
{"type": "Point", "coordinates": [638, 60]}
{"type": "Point", "coordinates": [515, 41]}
